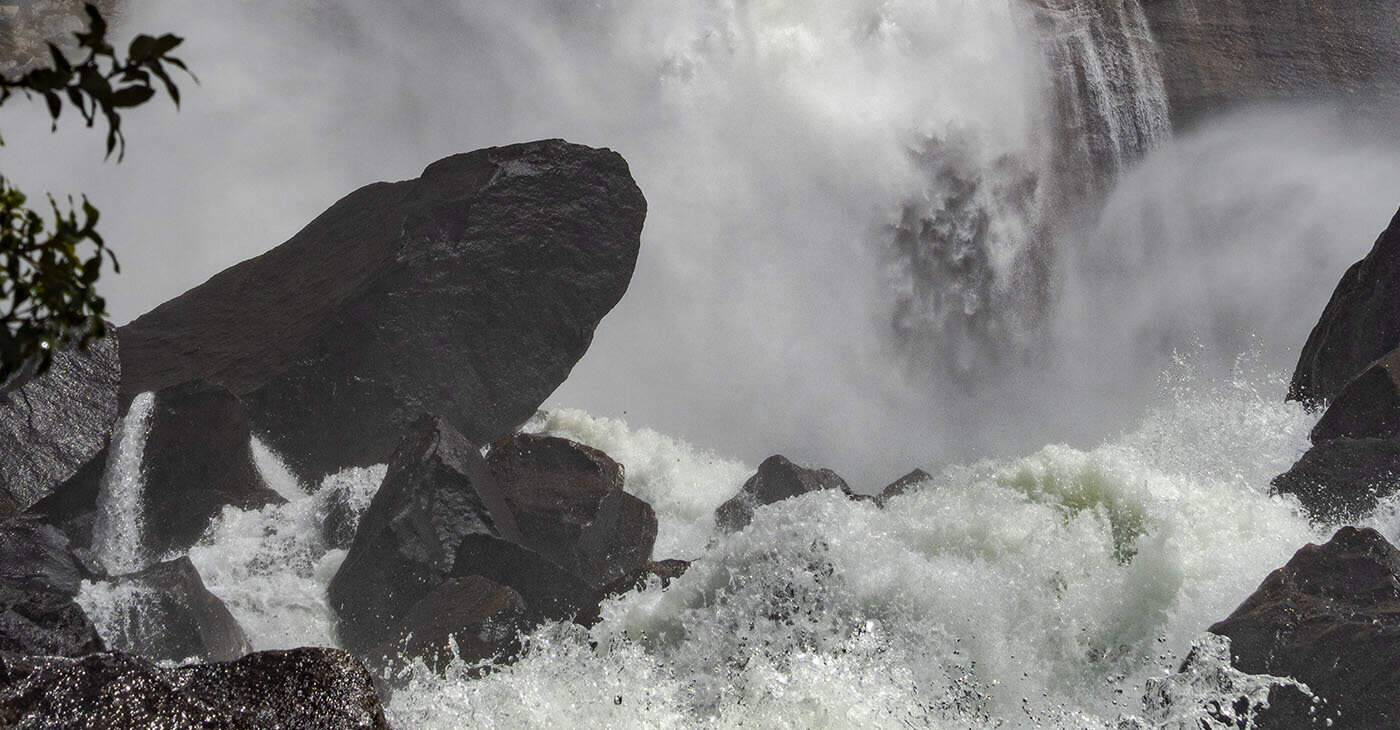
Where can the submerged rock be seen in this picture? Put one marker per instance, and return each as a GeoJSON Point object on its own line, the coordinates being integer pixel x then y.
{"type": "Point", "coordinates": [1368, 406]}
{"type": "Point", "coordinates": [777, 479]}
{"type": "Point", "coordinates": [471, 618]}
{"type": "Point", "coordinates": [1330, 618]}
{"type": "Point", "coordinates": [1342, 480]}
{"type": "Point", "coordinates": [165, 613]}
{"type": "Point", "coordinates": [437, 491]}
{"type": "Point", "coordinates": [39, 577]}
{"type": "Point", "coordinates": [1360, 324]}
{"type": "Point", "coordinates": [471, 290]}
{"type": "Point", "coordinates": [307, 689]}
{"type": "Point", "coordinates": [568, 501]}
{"type": "Point", "coordinates": [52, 424]}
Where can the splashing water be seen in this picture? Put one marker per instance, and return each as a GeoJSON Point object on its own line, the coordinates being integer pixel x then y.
{"type": "Point", "coordinates": [120, 517]}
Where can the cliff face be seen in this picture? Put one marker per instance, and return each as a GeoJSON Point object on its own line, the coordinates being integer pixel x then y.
{"type": "Point", "coordinates": [1221, 53]}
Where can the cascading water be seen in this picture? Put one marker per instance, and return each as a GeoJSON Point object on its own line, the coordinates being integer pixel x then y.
{"type": "Point", "coordinates": [117, 527]}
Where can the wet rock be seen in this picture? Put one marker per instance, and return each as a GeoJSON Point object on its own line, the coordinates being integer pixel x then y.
{"type": "Point", "coordinates": [307, 689]}
{"type": "Point", "coordinates": [1342, 480]}
{"type": "Point", "coordinates": [903, 484]}
{"type": "Point", "coordinates": [1222, 54]}
{"type": "Point", "coordinates": [39, 576]}
{"type": "Point", "coordinates": [1330, 618]}
{"type": "Point", "coordinates": [436, 493]}
{"type": "Point", "coordinates": [165, 613]}
{"type": "Point", "coordinates": [1368, 406]}
{"type": "Point", "coordinates": [777, 479]}
{"type": "Point", "coordinates": [472, 289]}
{"type": "Point", "coordinates": [664, 570]}
{"type": "Point", "coordinates": [1360, 324]}
{"type": "Point", "coordinates": [52, 424]}
{"type": "Point", "coordinates": [471, 618]}
{"type": "Point", "coordinates": [551, 591]}
{"type": "Point", "coordinates": [568, 501]}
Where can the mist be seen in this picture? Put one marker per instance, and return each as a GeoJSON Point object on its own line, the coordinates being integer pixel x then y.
{"type": "Point", "coordinates": [777, 144]}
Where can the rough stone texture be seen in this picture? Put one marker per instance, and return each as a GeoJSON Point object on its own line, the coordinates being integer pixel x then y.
{"type": "Point", "coordinates": [568, 501]}
{"type": "Point", "coordinates": [901, 485]}
{"type": "Point", "coordinates": [437, 492]}
{"type": "Point", "coordinates": [307, 689]}
{"type": "Point", "coordinates": [39, 576]}
{"type": "Point", "coordinates": [170, 615]}
{"type": "Point", "coordinates": [1368, 406]}
{"type": "Point", "coordinates": [1218, 54]}
{"type": "Point", "coordinates": [550, 591]}
{"type": "Point", "coordinates": [777, 479]}
{"type": "Point", "coordinates": [1330, 618]}
{"type": "Point", "coordinates": [481, 617]}
{"type": "Point", "coordinates": [1342, 480]}
{"type": "Point", "coordinates": [1360, 324]}
{"type": "Point", "coordinates": [470, 291]}
{"type": "Point", "coordinates": [50, 425]}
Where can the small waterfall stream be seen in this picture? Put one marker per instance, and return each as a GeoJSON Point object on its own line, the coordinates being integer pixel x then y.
{"type": "Point", "coordinates": [117, 531]}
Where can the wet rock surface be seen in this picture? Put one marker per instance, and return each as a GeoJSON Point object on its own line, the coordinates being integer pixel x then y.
{"type": "Point", "coordinates": [308, 689]}
{"type": "Point", "coordinates": [1330, 618]}
{"type": "Point", "coordinates": [1360, 324]}
{"type": "Point", "coordinates": [168, 614]}
{"type": "Point", "coordinates": [52, 424]}
{"type": "Point", "coordinates": [777, 479]}
{"type": "Point", "coordinates": [1368, 406]}
{"type": "Point", "coordinates": [1342, 480]}
{"type": "Point", "coordinates": [39, 577]}
{"type": "Point", "coordinates": [471, 290]}
{"type": "Point", "coordinates": [472, 619]}
{"type": "Point", "coordinates": [904, 484]}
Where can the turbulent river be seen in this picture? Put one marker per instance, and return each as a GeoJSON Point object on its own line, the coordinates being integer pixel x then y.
{"type": "Point", "coordinates": [881, 234]}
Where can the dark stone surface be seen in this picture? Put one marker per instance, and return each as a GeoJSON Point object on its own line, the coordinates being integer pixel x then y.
{"type": "Point", "coordinates": [550, 590]}
{"type": "Point", "coordinates": [666, 570]}
{"type": "Point", "coordinates": [170, 615]}
{"type": "Point", "coordinates": [1341, 480]}
{"type": "Point", "coordinates": [481, 617]}
{"type": "Point", "coordinates": [1368, 406]}
{"type": "Point", "coordinates": [307, 689]}
{"type": "Point", "coordinates": [52, 424]}
{"type": "Point", "coordinates": [1220, 54]}
{"type": "Point", "coordinates": [903, 484]}
{"type": "Point", "coordinates": [197, 461]}
{"type": "Point", "coordinates": [777, 479]}
{"type": "Point", "coordinates": [39, 576]}
{"type": "Point", "coordinates": [1330, 618]}
{"type": "Point", "coordinates": [470, 291]}
{"type": "Point", "coordinates": [437, 492]}
{"type": "Point", "coordinates": [568, 501]}
{"type": "Point", "coordinates": [1360, 324]}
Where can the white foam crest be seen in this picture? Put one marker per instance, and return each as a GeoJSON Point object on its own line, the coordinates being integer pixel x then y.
{"type": "Point", "coordinates": [117, 528]}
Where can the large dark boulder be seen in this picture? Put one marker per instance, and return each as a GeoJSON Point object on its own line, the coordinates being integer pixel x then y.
{"type": "Point", "coordinates": [52, 424]}
{"type": "Point", "coordinates": [470, 291]}
{"type": "Point", "coordinates": [1342, 480]}
{"type": "Point", "coordinates": [1224, 53]}
{"type": "Point", "coordinates": [164, 612]}
{"type": "Point", "coordinates": [1360, 324]}
{"type": "Point", "coordinates": [1368, 406]}
{"type": "Point", "coordinates": [777, 479]}
{"type": "Point", "coordinates": [39, 577]}
{"type": "Point", "coordinates": [307, 689]}
{"type": "Point", "coordinates": [1330, 618]}
{"type": "Point", "coordinates": [472, 619]}
{"type": "Point", "coordinates": [437, 491]}
{"type": "Point", "coordinates": [568, 501]}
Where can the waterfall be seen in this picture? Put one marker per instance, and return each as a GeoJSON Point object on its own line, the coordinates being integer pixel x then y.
{"type": "Point", "coordinates": [119, 521]}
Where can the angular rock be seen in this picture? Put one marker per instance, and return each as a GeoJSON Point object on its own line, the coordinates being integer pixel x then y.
{"type": "Point", "coordinates": [437, 492]}
{"type": "Point", "coordinates": [777, 479]}
{"type": "Point", "coordinates": [165, 613]}
{"type": "Point", "coordinates": [52, 424]}
{"type": "Point", "coordinates": [1342, 480]}
{"type": "Point", "coordinates": [568, 501]}
{"type": "Point", "coordinates": [550, 591]}
{"type": "Point", "coordinates": [1368, 406]}
{"type": "Point", "coordinates": [1360, 324]}
{"type": "Point", "coordinates": [39, 576]}
{"type": "Point", "coordinates": [480, 617]}
{"type": "Point", "coordinates": [1330, 618]}
{"type": "Point", "coordinates": [471, 290]}
{"type": "Point", "coordinates": [666, 570]}
{"type": "Point", "coordinates": [902, 485]}
{"type": "Point", "coordinates": [307, 689]}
